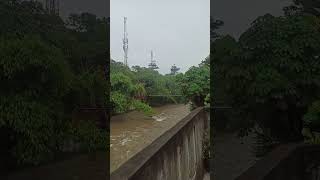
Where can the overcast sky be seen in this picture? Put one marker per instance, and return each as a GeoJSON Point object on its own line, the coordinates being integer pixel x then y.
{"type": "Point", "coordinates": [238, 14]}
{"type": "Point", "coordinates": [176, 30]}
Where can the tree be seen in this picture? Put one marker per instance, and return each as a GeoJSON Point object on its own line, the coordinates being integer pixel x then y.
{"type": "Point", "coordinates": [90, 34]}
{"type": "Point", "coordinates": [126, 92]}
{"type": "Point", "coordinates": [309, 6]}
{"type": "Point", "coordinates": [152, 80]}
{"type": "Point", "coordinates": [42, 86]}
{"type": "Point", "coordinates": [221, 57]}
{"type": "Point", "coordinates": [214, 25]}
{"type": "Point", "coordinates": [121, 92]}
{"type": "Point", "coordinates": [34, 79]}
{"type": "Point", "coordinates": [195, 84]}
{"type": "Point", "coordinates": [272, 74]}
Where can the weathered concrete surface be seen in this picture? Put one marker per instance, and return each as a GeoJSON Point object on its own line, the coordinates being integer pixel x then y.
{"type": "Point", "coordinates": [206, 176]}
{"type": "Point", "coordinates": [296, 161]}
{"type": "Point", "coordinates": [232, 156]}
{"type": "Point", "coordinates": [131, 132]}
{"type": "Point", "coordinates": [175, 155]}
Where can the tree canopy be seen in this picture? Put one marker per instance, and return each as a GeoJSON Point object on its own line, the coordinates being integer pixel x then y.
{"type": "Point", "coordinates": [195, 84]}
{"type": "Point", "coordinates": [48, 70]}
{"type": "Point", "coordinates": [271, 75]}
{"type": "Point", "coordinates": [135, 89]}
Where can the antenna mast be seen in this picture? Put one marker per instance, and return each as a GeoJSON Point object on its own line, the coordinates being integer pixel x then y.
{"type": "Point", "coordinates": [52, 6]}
{"type": "Point", "coordinates": [153, 64]}
{"type": "Point", "coordinates": [125, 42]}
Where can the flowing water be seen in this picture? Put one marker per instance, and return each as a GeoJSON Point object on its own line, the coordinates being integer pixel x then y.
{"type": "Point", "coordinates": [133, 131]}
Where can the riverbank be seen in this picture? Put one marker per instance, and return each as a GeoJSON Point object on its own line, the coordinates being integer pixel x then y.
{"type": "Point", "coordinates": [133, 131]}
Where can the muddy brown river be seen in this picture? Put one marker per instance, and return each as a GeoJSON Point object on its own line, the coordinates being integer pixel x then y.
{"type": "Point", "coordinates": [133, 131]}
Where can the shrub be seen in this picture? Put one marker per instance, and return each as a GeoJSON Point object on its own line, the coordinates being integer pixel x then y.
{"type": "Point", "coordinates": [145, 108]}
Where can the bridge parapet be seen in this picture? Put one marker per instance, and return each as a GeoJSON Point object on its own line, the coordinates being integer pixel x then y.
{"type": "Point", "coordinates": [292, 161]}
{"type": "Point", "coordinates": [175, 155]}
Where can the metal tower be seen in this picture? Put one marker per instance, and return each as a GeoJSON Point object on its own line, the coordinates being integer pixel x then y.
{"type": "Point", "coordinates": [153, 64]}
{"type": "Point", "coordinates": [125, 42]}
{"type": "Point", "coordinates": [52, 6]}
{"type": "Point", "coordinates": [174, 70]}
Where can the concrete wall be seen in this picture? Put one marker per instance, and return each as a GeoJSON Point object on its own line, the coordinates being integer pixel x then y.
{"type": "Point", "coordinates": [175, 155]}
{"type": "Point", "coordinates": [291, 161]}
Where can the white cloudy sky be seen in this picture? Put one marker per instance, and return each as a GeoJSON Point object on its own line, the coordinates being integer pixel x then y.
{"type": "Point", "coordinates": [176, 30]}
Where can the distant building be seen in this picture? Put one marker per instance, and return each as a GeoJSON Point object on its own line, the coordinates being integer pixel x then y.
{"type": "Point", "coordinates": [174, 70]}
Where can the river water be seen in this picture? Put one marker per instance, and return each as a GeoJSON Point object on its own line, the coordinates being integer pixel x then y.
{"type": "Point", "coordinates": [133, 131]}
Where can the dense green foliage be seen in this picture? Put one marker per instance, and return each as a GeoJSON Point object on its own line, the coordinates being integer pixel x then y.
{"type": "Point", "coordinates": [195, 84]}
{"type": "Point", "coordinates": [140, 87]}
{"type": "Point", "coordinates": [312, 117]}
{"type": "Point", "coordinates": [271, 75]}
{"type": "Point", "coordinates": [130, 89]}
{"type": "Point", "coordinates": [33, 87]}
{"type": "Point", "coordinates": [48, 70]}
{"type": "Point", "coordinates": [312, 124]}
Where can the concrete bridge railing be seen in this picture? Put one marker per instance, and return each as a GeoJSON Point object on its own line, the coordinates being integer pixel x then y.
{"type": "Point", "coordinates": [291, 161]}
{"type": "Point", "coordinates": [175, 155]}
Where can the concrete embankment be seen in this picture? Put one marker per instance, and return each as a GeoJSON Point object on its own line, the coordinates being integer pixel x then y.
{"type": "Point", "coordinates": [176, 155]}
{"type": "Point", "coordinates": [133, 131]}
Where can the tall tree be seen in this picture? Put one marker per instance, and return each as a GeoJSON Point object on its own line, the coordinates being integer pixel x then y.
{"type": "Point", "coordinates": [215, 24]}
{"type": "Point", "coordinates": [309, 6]}
{"type": "Point", "coordinates": [272, 74]}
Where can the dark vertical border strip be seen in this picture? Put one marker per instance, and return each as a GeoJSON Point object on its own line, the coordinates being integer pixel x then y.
{"type": "Point", "coordinates": [108, 109]}
{"type": "Point", "coordinates": [211, 99]}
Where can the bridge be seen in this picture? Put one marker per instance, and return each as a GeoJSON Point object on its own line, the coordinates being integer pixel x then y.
{"type": "Point", "coordinates": [177, 154]}
{"type": "Point", "coordinates": [295, 161]}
